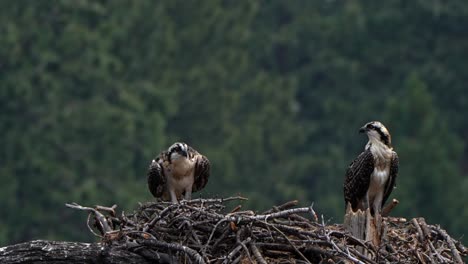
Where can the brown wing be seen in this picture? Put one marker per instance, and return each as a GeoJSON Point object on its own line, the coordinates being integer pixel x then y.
{"type": "Point", "coordinates": [357, 179]}
{"type": "Point", "coordinates": [202, 172]}
{"type": "Point", "coordinates": [392, 178]}
{"type": "Point", "coordinates": [155, 176]}
{"type": "Point", "coordinates": [202, 169]}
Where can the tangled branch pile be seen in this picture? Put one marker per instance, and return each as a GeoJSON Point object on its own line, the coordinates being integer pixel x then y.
{"type": "Point", "coordinates": [200, 231]}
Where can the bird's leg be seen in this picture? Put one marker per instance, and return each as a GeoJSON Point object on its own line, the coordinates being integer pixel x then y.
{"type": "Point", "coordinates": [188, 193]}
{"type": "Point", "coordinates": [173, 195]}
{"type": "Point", "coordinates": [366, 201]}
{"type": "Point", "coordinates": [377, 206]}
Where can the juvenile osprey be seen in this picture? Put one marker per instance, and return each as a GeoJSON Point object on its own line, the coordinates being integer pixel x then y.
{"type": "Point", "coordinates": [370, 178]}
{"type": "Point", "coordinates": [178, 172]}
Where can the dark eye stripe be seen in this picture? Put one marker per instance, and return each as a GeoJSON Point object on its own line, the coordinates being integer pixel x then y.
{"type": "Point", "coordinates": [383, 137]}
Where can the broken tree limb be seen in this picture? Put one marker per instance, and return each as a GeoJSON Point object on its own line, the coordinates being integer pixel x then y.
{"type": "Point", "coordinates": [356, 222]}
{"type": "Point", "coordinates": [363, 225]}
{"type": "Point", "coordinates": [389, 207]}
{"type": "Point", "coordinates": [67, 252]}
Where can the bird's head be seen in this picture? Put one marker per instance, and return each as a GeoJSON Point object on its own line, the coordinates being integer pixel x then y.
{"type": "Point", "coordinates": [377, 132]}
{"type": "Point", "coordinates": [178, 150]}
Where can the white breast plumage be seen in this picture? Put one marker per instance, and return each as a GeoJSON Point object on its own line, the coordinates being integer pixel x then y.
{"type": "Point", "coordinates": [377, 182]}
{"type": "Point", "coordinates": [379, 177]}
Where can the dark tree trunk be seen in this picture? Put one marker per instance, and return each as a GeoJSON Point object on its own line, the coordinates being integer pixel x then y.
{"type": "Point", "coordinates": [39, 251]}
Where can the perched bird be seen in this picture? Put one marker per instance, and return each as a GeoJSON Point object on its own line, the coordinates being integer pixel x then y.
{"type": "Point", "coordinates": [178, 172]}
{"type": "Point", "coordinates": [370, 178]}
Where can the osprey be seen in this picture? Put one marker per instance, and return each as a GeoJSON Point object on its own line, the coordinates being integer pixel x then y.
{"type": "Point", "coordinates": [178, 172]}
{"type": "Point", "coordinates": [370, 178]}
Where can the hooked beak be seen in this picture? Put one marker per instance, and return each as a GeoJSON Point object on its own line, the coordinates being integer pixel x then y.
{"type": "Point", "coordinates": [363, 129]}
{"type": "Point", "coordinates": [184, 153]}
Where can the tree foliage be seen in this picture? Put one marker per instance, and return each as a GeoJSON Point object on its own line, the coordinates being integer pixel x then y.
{"type": "Point", "coordinates": [273, 92]}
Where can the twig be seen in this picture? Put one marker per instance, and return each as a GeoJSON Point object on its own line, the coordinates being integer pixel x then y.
{"type": "Point", "coordinates": [461, 248]}
{"type": "Point", "coordinates": [211, 235]}
{"type": "Point", "coordinates": [284, 206]}
{"type": "Point", "coordinates": [281, 213]}
{"type": "Point", "coordinates": [158, 217]}
{"type": "Point", "coordinates": [456, 257]}
{"type": "Point", "coordinates": [290, 243]}
{"type": "Point", "coordinates": [236, 209]}
{"type": "Point", "coordinates": [339, 250]}
{"type": "Point", "coordinates": [425, 228]}
{"type": "Point", "coordinates": [160, 244]}
{"type": "Point", "coordinates": [110, 210]}
{"type": "Point", "coordinates": [89, 226]}
{"type": "Point", "coordinates": [311, 207]}
{"type": "Point", "coordinates": [220, 200]}
{"type": "Point", "coordinates": [420, 259]}
{"type": "Point", "coordinates": [232, 254]}
{"type": "Point", "coordinates": [418, 229]}
{"type": "Point", "coordinates": [362, 256]}
{"type": "Point", "coordinates": [257, 254]}
{"type": "Point", "coordinates": [442, 259]}
{"type": "Point", "coordinates": [221, 238]}
{"type": "Point", "coordinates": [99, 217]}
{"type": "Point", "coordinates": [387, 209]}
{"type": "Point", "coordinates": [242, 243]}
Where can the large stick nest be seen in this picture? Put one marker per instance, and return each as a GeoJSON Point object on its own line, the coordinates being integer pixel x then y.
{"type": "Point", "coordinates": [207, 231]}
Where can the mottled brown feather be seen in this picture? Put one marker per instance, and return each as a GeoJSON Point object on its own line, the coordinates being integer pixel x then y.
{"type": "Point", "coordinates": [155, 175]}
{"type": "Point", "coordinates": [202, 169]}
{"type": "Point", "coordinates": [202, 173]}
{"type": "Point", "coordinates": [357, 179]}
{"type": "Point", "coordinates": [392, 178]}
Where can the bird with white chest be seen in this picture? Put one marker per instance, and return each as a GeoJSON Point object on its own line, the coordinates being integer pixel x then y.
{"type": "Point", "coordinates": [370, 178]}
{"type": "Point", "coordinates": [177, 173]}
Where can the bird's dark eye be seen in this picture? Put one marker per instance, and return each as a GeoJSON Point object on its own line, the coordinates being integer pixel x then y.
{"type": "Point", "coordinates": [370, 126]}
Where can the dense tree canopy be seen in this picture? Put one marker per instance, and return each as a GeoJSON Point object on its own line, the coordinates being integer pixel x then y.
{"type": "Point", "coordinates": [273, 92]}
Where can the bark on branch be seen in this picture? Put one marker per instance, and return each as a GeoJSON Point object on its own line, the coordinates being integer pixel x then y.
{"type": "Point", "coordinates": [56, 252]}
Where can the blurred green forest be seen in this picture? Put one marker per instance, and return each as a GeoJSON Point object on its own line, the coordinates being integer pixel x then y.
{"type": "Point", "coordinates": [273, 92]}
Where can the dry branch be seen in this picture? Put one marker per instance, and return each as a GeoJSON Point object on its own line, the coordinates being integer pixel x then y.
{"type": "Point", "coordinates": [40, 251]}
{"type": "Point", "coordinates": [389, 207]}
